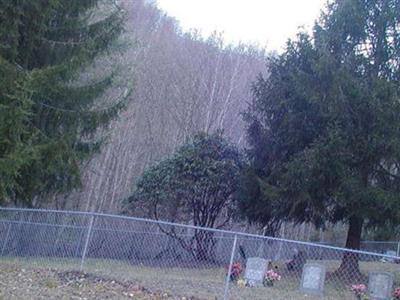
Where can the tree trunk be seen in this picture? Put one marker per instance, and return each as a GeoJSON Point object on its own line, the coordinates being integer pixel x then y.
{"type": "Point", "coordinates": [204, 246]}
{"type": "Point", "coordinates": [349, 267]}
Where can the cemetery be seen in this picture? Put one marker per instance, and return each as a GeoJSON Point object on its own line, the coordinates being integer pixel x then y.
{"type": "Point", "coordinates": [252, 279]}
{"type": "Point", "coordinates": [237, 266]}
{"type": "Point", "coordinates": [315, 281]}
{"type": "Point", "coordinates": [146, 157]}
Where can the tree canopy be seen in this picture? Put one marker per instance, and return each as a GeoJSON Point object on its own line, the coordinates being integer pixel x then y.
{"type": "Point", "coordinates": [49, 118]}
{"type": "Point", "coordinates": [324, 126]}
{"type": "Point", "coordinates": [196, 185]}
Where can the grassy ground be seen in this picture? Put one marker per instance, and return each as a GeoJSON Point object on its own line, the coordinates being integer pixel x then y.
{"type": "Point", "coordinates": [110, 279]}
{"type": "Point", "coordinates": [21, 283]}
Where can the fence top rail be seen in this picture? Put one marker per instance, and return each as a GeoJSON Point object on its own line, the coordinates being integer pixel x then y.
{"type": "Point", "coordinates": [380, 242]}
{"type": "Point", "coordinates": [233, 233]}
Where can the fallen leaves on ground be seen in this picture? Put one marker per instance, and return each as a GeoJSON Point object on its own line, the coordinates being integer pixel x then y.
{"type": "Point", "coordinates": [19, 283]}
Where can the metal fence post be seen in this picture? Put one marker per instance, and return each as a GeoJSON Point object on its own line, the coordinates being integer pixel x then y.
{"type": "Point", "coordinates": [6, 239]}
{"type": "Point", "coordinates": [89, 233]}
{"type": "Point", "coordinates": [228, 277]}
{"type": "Point", "coordinates": [398, 248]}
{"type": "Point", "coordinates": [78, 244]}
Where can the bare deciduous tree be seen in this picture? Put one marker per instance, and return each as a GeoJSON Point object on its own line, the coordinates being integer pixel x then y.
{"type": "Point", "coordinates": [183, 84]}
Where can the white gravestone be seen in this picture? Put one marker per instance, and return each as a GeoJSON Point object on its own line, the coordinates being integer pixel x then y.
{"type": "Point", "coordinates": [255, 271]}
{"type": "Point", "coordinates": [313, 279]}
{"type": "Point", "coordinates": [391, 253]}
{"type": "Point", "coordinates": [380, 285]}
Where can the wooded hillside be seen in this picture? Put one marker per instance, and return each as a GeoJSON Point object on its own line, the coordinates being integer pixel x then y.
{"type": "Point", "coordinates": [183, 84]}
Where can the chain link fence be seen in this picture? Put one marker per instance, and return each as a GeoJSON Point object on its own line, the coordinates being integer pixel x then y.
{"type": "Point", "coordinates": [381, 247]}
{"type": "Point", "coordinates": [384, 247]}
{"type": "Point", "coordinates": [180, 260]}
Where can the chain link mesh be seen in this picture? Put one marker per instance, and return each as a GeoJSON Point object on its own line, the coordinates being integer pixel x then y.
{"type": "Point", "coordinates": [179, 260]}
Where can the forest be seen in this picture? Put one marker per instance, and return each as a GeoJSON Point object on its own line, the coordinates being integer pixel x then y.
{"type": "Point", "coordinates": [109, 106]}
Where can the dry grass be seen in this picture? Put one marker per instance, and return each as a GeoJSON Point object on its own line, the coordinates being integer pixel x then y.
{"type": "Point", "coordinates": [179, 283]}
{"type": "Point", "coordinates": [22, 283]}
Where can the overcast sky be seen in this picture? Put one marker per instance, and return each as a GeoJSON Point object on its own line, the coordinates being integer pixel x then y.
{"type": "Point", "coordinates": [267, 22]}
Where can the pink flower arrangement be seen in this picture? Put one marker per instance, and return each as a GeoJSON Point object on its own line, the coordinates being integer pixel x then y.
{"type": "Point", "coordinates": [359, 290]}
{"type": "Point", "coordinates": [270, 277]}
{"type": "Point", "coordinates": [396, 294]}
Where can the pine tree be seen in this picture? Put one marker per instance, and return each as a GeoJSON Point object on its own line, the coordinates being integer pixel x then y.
{"type": "Point", "coordinates": [324, 128]}
{"type": "Point", "coordinates": [49, 114]}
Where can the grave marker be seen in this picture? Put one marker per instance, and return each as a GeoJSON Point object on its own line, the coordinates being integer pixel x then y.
{"type": "Point", "coordinates": [380, 285]}
{"type": "Point", "coordinates": [391, 253]}
{"type": "Point", "coordinates": [255, 271]}
{"type": "Point", "coordinates": [313, 279]}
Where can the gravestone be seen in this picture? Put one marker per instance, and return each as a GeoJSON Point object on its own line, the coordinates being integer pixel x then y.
{"type": "Point", "coordinates": [313, 279]}
{"type": "Point", "coordinates": [391, 253]}
{"type": "Point", "coordinates": [380, 285]}
{"type": "Point", "coordinates": [255, 271]}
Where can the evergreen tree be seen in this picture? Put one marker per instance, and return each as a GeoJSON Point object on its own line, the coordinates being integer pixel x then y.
{"type": "Point", "coordinates": [196, 185]}
{"type": "Point", "coordinates": [48, 114]}
{"type": "Point", "coordinates": [324, 127]}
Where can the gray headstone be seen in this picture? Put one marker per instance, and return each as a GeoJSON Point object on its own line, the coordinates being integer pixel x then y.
{"type": "Point", "coordinates": [313, 279]}
{"type": "Point", "coordinates": [380, 285]}
{"type": "Point", "coordinates": [255, 271]}
{"type": "Point", "coordinates": [391, 253]}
